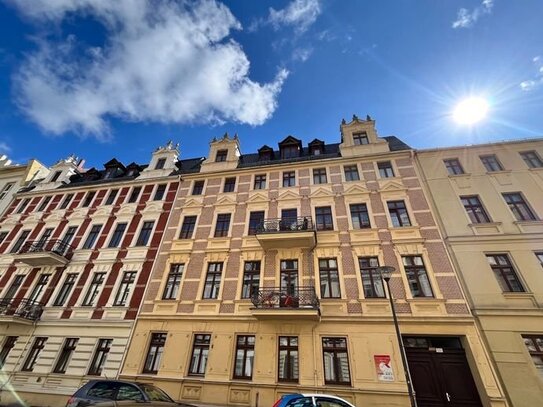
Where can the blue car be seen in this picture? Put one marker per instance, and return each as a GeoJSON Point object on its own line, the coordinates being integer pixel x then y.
{"type": "Point", "coordinates": [311, 400]}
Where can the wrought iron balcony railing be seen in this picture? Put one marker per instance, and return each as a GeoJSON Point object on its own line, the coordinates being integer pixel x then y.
{"type": "Point", "coordinates": [43, 246]}
{"type": "Point", "coordinates": [21, 307]}
{"type": "Point", "coordinates": [279, 225]}
{"type": "Point", "coordinates": [300, 297]}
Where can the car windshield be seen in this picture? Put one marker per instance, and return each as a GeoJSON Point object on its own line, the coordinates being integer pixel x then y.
{"type": "Point", "coordinates": [154, 393]}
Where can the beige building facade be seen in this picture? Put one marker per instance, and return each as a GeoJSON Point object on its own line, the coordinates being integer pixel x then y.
{"type": "Point", "coordinates": [489, 202]}
{"type": "Point", "coordinates": [267, 283]}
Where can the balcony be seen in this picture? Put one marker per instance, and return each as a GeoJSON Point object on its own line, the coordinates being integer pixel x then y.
{"type": "Point", "coordinates": [273, 303]}
{"type": "Point", "coordinates": [44, 253]}
{"type": "Point", "coordinates": [287, 233]}
{"type": "Point", "coordinates": [22, 308]}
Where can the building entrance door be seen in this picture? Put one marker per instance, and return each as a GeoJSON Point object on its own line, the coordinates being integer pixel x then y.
{"type": "Point", "coordinates": [440, 372]}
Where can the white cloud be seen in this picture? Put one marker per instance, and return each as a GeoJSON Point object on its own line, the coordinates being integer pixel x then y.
{"type": "Point", "coordinates": [169, 62]}
{"type": "Point", "coordinates": [537, 81]}
{"type": "Point", "coordinates": [302, 54]}
{"type": "Point", "coordinates": [466, 18]}
{"type": "Point", "coordinates": [300, 14]}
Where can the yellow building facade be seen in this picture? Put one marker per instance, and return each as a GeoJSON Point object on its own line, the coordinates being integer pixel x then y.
{"type": "Point", "coordinates": [266, 282]}
{"type": "Point", "coordinates": [489, 202]}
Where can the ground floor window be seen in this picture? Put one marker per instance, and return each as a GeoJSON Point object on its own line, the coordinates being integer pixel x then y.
{"type": "Point", "coordinates": [200, 352]}
{"type": "Point", "coordinates": [534, 344]}
{"type": "Point", "coordinates": [336, 361]}
{"type": "Point", "coordinates": [245, 355]}
{"type": "Point", "coordinates": [288, 359]}
{"type": "Point", "coordinates": [154, 354]}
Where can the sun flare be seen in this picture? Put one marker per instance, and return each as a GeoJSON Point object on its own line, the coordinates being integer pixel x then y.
{"type": "Point", "coordinates": [471, 110]}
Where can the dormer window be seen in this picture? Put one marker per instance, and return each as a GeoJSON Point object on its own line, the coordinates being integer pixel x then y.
{"type": "Point", "coordinates": [360, 138]}
{"type": "Point", "coordinates": [290, 152]}
{"type": "Point", "coordinates": [55, 176]}
{"type": "Point", "coordinates": [317, 151]}
{"type": "Point", "coordinates": [221, 156]}
{"type": "Point", "coordinates": [160, 164]}
{"type": "Point", "coordinates": [265, 153]}
{"type": "Point", "coordinates": [316, 147]}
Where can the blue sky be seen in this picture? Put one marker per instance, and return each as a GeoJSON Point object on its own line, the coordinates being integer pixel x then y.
{"type": "Point", "coordinates": [108, 79]}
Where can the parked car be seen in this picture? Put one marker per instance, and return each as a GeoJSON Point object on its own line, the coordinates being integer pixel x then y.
{"type": "Point", "coordinates": [311, 400]}
{"type": "Point", "coordinates": [120, 393]}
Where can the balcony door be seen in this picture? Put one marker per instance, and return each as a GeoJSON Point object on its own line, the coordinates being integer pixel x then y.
{"type": "Point", "coordinates": [289, 219]}
{"type": "Point", "coordinates": [289, 277]}
{"type": "Point", "coordinates": [39, 288]}
{"type": "Point", "coordinates": [43, 239]}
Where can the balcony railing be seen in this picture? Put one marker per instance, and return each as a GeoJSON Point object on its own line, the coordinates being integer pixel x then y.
{"type": "Point", "coordinates": [283, 298]}
{"type": "Point", "coordinates": [42, 246]}
{"type": "Point", "coordinates": [21, 307]}
{"type": "Point", "coordinates": [279, 225]}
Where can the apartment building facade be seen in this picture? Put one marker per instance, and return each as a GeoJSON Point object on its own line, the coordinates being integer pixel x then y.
{"type": "Point", "coordinates": [15, 176]}
{"type": "Point", "coordinates": [489, 202]}
{"type": "Point", "coordinates": [76, 255]}
{"type": "Point", "coordinates": [267, 281]}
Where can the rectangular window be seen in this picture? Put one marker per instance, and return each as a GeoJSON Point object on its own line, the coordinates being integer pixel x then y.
{"type": "Point", "coordinates": [124, 288]}
{"type": "Point", "coordinates": [145, 233]}
{"type": "Point", "coordinates": [94, 289]}
{"type": "Point", "coordinates": [39, 288]}
{"type": "Point", "coordinates": [174, 282]}
{"type": "Point", "coordinates": [289, 152]}
{"type": "Point", "coordinates": [198, 188]}
{"type": "Point", "coordinates": [65, 355]}
{"type": "Point", "coordinates": [245, 355]}
{"type": "Point", "coordinates": [329, 278]}
{"type": "Point", "coordinates": [92, 236]}
{"type": "Point", "coordinates": [336, 361]}
{"type": "Point", "coordinates": [385, 169]}
{"type": "Point", "coordinates": [160, 164]}
{"type": "Point", "coordinates": [100, 356]}
{"type": "Point", "coordinates": [44, 203]}
{"type": "Point", "coordinates": [159, 193]}
{"type": "Point", "coordinates": [520, 208]}
{"type": "Point", "coordinates": [360, 138]}
{"type": "Point", "coordinates": [32, 358]}
{"type": "Point", "coordinates": [359, 216]}
{"type": "Point", "coordinates": [534, 345]}
{"type": "Point", "coordinates": [187, 228]}
{"type": "Point", "coordinates": [288, 359]}
{"type": "Point", "coordinates": [14, 287]}
{"type": "Point", "coordinates": [504, 272]}
{"type": "Point", "coordinates": [491, 163]}
{"type": "Point", "coordinates": [67, 199]}
{"type": "Point", "coordinates": [351, 173]}
{"type": "Point", "coordinates": [256, 221]}
{"type": "Point", "coordinates": [539, 256]}
{"type": "Point", "coordinates": [154, 353]}
{"type": "Point", "coordinates": [20, 241]}
{"type": "Point", "coordinates": [289, 179]}
{"type": "Point", "coordinates": [221, 155]}
{"type": "Point", "coordinates": [229, 184]}
{"type": "Point", "coordinates": [319, 176]}
{"type": "Point", "coordinates": [532, 159]}
{"type": "Point", "coordinates": [453, 166]}
{"type": "Point", "coordinates": [371, 279]}
{"type": "Point", "coordinates": [223, 225]}
{"type": "Point", "coordinates": [68, 236]}
{"type": "Point", "coordinates": [417, 276]}
{"type": "Point", "coordinates": [474, 209]}
{"type": "Point", "coordinates": [23, 205]}
{"type": "Point", "coordinates": [398, 214]}
{"type": "Point", "coordinates": [111, 197]}
{"type": "Point", "coordinates": [88, 199]}
{"type": "Point", "coordinates": [260, 181]}
{"type": "Point", "coordinates": [9, 343]}
{"type": "Point", "coordinates": [117, 236]}
{"type": "Point", "coordinates": [65, 290]}
{"type": "Point", "coordinates": [43, 239]}
{"type": "Point", "coordinates": [3, 236]}
{"type": "Point", "coordinates": [134, 195]}
{"type": "Point", "coordinates": [6, 189]}
{"type": "Point", "coordinates": [200, 353]}
{"type": "Point", "coordinates": [251, 279]}
{"type": "Point", "coordinates": [213, 281]}
{"type": "Point", "coordinates": [323, 218]}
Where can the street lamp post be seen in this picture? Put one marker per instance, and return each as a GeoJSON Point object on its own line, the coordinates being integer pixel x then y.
{"type": "Point", "coordinates": [386, 273]}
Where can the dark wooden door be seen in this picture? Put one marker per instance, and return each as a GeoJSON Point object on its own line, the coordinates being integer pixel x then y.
{"type": "Point", "coordinates": [442, 379]}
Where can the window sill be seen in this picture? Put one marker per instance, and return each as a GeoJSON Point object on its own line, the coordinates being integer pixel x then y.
{"type": "Point", "coordinates": [464, 175]}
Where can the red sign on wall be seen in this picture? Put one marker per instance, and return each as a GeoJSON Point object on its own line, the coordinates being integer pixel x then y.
{"type": "Point", "coordinates": [383, 368]}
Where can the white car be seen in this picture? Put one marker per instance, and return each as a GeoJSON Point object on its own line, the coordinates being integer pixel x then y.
{"type": "Point", "coordinates": [311, 400]}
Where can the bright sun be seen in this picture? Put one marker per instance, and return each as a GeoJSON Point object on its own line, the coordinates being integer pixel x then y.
{"type": "Point", "coordinates": [471, 110]}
